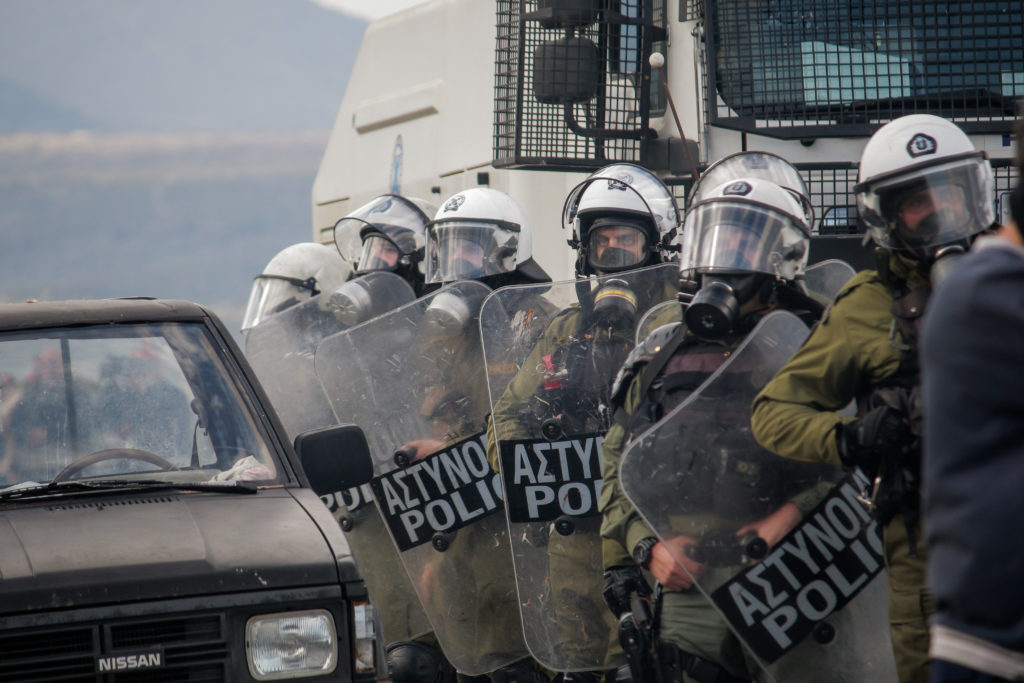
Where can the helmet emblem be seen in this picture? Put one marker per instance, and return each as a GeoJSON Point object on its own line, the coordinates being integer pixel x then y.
{"type": "Point", "coordinates": [623, 181]}
{"type": "Point", "coordinates": [455, 202]}
{"type": "Point", "coordinates": [738, 189]}
{"type": "Point", "coordinates": [382, 207]}
{"type": "Point", "coordinates": [921, 145]}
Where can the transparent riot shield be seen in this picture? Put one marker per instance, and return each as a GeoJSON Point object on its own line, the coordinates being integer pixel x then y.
{"type": "Point", "coordinates": [824, 279]}
{"type": "Point", "coordinates": [785, 552]}
{"type": "Point", "coordinates": [280, 349]}
{"type": "Point", "coordinates": [414, 381]}
{"type": "Point", "coordinates": [549, 418]}
{"type": "Point", "coordinates": [664, 313]}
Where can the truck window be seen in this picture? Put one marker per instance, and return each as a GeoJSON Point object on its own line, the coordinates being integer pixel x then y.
{"type": "Point", "coordinates": [131, 392]}
{"type": "Point", "coordinates": [859, 62]}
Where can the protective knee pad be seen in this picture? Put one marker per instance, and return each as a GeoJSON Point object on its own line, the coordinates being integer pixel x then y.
{"type": "Point", "coordinates": [410, 662]}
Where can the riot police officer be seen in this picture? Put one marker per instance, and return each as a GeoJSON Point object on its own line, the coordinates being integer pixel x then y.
{"type": "Point", "coordinates": [481, 234]}
{"type": "Point", "coordinates": [417, 377]}
{"type": "Point", "coordinates": [386, 234]}
{"type": "Point", "coordinates": [296, 274]}
{"type": "Point", "coordinates": [622, 219]}
{"type": "Point", "coordinates": [744, 250]}
{"type": "Point", "coordinates": [923, 194]}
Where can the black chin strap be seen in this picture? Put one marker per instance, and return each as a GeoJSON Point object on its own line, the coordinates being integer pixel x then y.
{"type": "Point", "coordinates": [309, 283]}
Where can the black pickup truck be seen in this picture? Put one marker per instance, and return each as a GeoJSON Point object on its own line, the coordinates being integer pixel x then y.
{"type": "Point", "coordinates": [155, 524]}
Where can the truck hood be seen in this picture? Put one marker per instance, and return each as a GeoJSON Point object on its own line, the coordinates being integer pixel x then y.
{"type": "Point", "coordinates": [117, 548]}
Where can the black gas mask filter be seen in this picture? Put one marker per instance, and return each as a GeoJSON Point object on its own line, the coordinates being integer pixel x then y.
{"type": "Point", "coordinates": [714, 311]}
{"type": "Point", "coordinates": [359, 300]}
{"type": "Point", "coordinates": [615, 304]}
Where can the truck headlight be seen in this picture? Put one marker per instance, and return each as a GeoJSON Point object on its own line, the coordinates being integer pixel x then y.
{"type": "Point", "coordinates": [291, 645]}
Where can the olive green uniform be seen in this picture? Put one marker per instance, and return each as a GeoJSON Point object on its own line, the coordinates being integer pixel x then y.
{"type": "Point", "coordinates": [795, 416]}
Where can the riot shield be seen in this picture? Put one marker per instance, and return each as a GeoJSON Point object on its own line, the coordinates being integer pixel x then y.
{"type": "Point", "coordinates": [414, 381]}
{"type": "Point", "coordinates": [549, 418]}
{"type": "Point", "coordinates": [812, 601]}
{"type": "Point", "coordinates": [280, 349]}
{"type": "Point", "coordinates": [825, 278]}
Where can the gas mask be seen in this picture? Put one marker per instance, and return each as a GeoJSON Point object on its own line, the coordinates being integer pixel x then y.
{"type": "Point", "coordinates": [615, 304]}
{"type": "Point", "coordinates": [944, 263]}
{"type": "Point", "coordinates": [447, 314]}
{"type": "Point", "coordinates": [361, 299]}
{"type": "Point", "coordinates": [451, 313]}
{"type": "Point", "coordinates": [714, 310]}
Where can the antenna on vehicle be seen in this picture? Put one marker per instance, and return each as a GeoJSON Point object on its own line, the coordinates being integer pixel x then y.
{"type": "Point", "coordinates": [657, 62]}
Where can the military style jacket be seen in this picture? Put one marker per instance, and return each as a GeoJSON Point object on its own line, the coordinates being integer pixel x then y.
{"type": "Point", "coordinates": [854, 348]}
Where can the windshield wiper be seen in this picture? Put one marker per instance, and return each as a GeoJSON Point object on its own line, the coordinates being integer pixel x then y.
{"type": "Point", "coordinates": [56, 487]}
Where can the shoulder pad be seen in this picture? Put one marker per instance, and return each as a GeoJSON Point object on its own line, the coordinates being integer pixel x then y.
{"type": "Point", "coordinates": [641, 355]}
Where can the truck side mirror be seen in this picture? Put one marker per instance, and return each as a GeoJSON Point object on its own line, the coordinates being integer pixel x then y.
{"type": "Point", "coordinates": [566, 71]}
{"type": "Point", "coordinates": [566, 13]}
{"type": "Point", "coordinates": [335, 458]}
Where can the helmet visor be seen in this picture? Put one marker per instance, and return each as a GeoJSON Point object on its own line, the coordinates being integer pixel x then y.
{"type": "Point", "coordinates": [763, 165]}
{"type": "Point", "coordinates": [466, 250]}
{"type": "Point", "coordinates": [930, 208]}
{"type": "Point", "coordinates": [272, 295]}
{"type": "Point", "coordinates": [347, 238]}
{"type": "Point", "coordinates": [622, 189]}
{"type": "Point", "coordinates": [379, 253]}
{"type": "Point", "coordinates": [390, 214]}
{"type": "Point", "coordinates": [614, 246]}
{"type": "Point", "coordinates": [723, 236]}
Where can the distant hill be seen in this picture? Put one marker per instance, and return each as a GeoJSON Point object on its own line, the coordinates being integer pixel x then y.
{"type": "Point", "coordinates": [185, 65]}
{"type": "Point", "coordinates": [24, 109]}
{"type": "Point", "coordinates": [190, 216]}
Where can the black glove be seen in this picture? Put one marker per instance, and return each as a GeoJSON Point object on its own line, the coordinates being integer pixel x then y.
{"type": "Point", "coordinates": [620, 583]}
{"type": "Point", "coordinates": [880, 432]}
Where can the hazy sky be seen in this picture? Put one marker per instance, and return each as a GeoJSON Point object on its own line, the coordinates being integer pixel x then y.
{"type": "Point", "coordinates": [369, 9]}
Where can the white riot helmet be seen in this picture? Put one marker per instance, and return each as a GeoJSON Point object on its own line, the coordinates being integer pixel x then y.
{"type": "Point", "coordinates": [621, 217]}
{"type": "Point", "coordinates": [296, 274]}
{"type": "Point", "coordinates": [754, 164]}
{"type": "Point", "coordinates": [739, 241]}
{"type": "Point", "coordinates": [922, 184]}
{"type": "Point", "coordinates": [479, 233]}
{"type": "Point", "coordinates": [386, 233]}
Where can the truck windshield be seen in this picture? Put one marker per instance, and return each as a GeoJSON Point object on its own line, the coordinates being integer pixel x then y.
{"type": "Point", "coordinates": [152, 401]}
{"type": "Point", "coordinates": [869, 60]}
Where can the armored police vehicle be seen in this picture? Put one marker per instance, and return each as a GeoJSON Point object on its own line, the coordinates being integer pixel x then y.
{"type": "Point", "coordinates": [526, 96]}
{"type": "Point", "coordinates": [154, 522]}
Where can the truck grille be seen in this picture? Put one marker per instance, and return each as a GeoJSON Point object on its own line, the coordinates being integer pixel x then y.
{"type": "Point", "coordinates": [195, 650]}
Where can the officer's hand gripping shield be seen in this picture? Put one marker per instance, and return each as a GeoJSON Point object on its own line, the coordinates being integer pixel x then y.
{"type": "Point", "coordinates": [414, 381]}
{"type": "Point", "coordinates": [550, 411]}
{"type": "Point", "coordinates": [784, 551]}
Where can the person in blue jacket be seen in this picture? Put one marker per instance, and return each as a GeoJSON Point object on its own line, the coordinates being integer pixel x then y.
{"type": "Point", "coordinates": [972, 366]}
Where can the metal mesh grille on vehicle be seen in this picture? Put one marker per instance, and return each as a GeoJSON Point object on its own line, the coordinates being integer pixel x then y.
{"type": "Point", "coordinates": [818, 68]}
{"type": "Point", "coordinates": [572, 82]}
